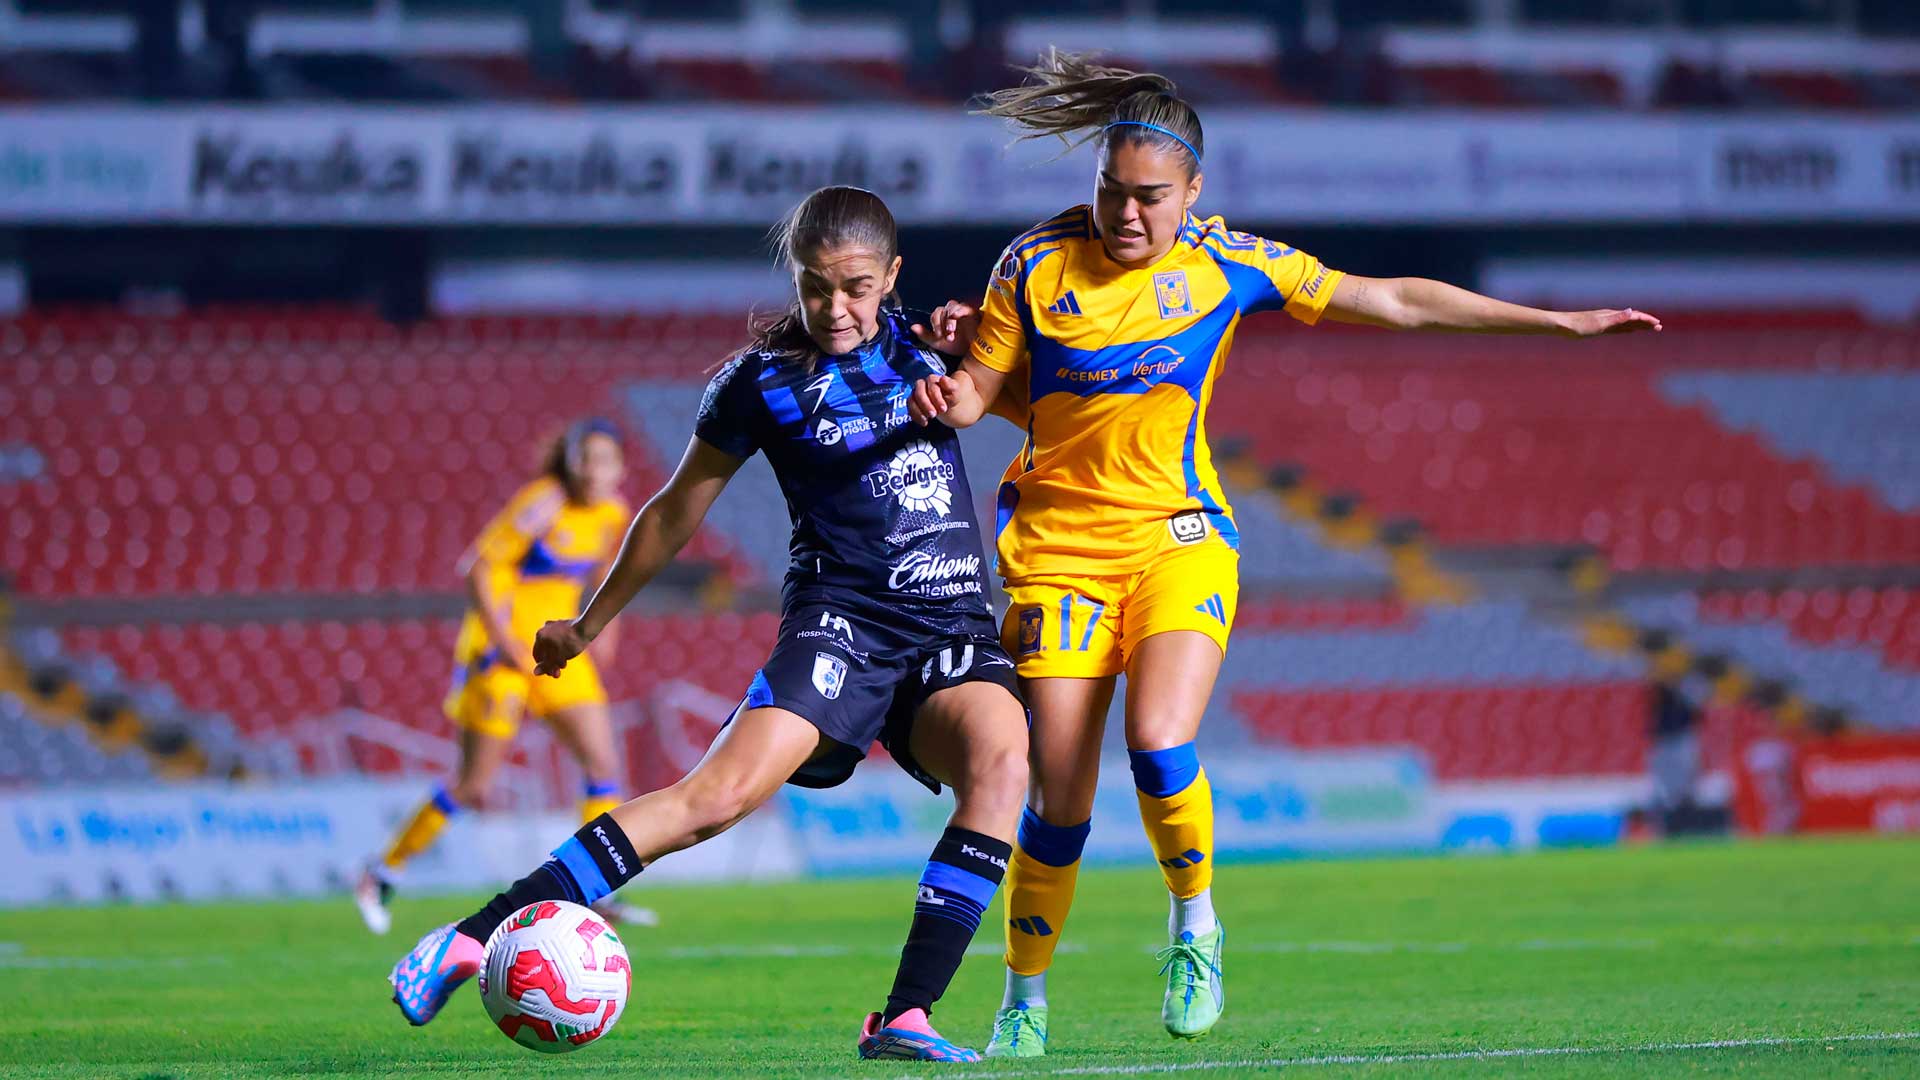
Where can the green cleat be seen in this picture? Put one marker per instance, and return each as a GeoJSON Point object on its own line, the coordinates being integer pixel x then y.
{"type": "Point", "coordinates": [1019, 1031]}
{"type": "Point", "coordinates": [1196, 992]}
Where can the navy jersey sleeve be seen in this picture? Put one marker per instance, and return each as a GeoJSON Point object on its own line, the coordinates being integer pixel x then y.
{"type": "Point", "coordinates": [729, 410]}
{"type": "Point", "coordinates": [920, 361]}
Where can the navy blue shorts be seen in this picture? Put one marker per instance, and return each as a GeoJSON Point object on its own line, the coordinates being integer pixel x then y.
{"type": "Point", "coordinates": [860, 677]}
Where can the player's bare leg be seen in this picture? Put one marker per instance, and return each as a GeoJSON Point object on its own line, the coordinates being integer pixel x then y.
{"type": "Point", "coordinates": [1170, 677]}
{"type": "Point", "coordinates": [746, 764]}
{"type": "Point", "coordinates": [587, 732]}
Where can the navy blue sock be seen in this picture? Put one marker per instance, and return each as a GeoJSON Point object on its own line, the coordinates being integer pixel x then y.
{"type": "Point", "coordinates": [955, 889]}
{"type": "Point", "coordinates": [591, 864]}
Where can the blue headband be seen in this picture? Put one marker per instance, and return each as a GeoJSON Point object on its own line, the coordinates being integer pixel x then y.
{"type": "Point", "coordinates": [578, 431]}
{"type": "Point", "coordinates": [1158, 128]}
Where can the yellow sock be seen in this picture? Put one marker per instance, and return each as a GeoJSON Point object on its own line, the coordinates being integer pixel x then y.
{"type": "Point", "coordinates": [1040, 880]}
{"type": "Point", "coordinates": [1176, 806]}
{"type": "Point", "coordinates": [421, 830]}
{"type": "Point", "coordinates": [602, 797]}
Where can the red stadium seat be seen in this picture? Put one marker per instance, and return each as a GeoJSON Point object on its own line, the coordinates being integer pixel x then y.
{"type": "Point", "coordinates": [294, 457]}
{"type": "Point", "coordinates": [1506, 442]}
{"type": "Point", "coordinates": [1467, 733]}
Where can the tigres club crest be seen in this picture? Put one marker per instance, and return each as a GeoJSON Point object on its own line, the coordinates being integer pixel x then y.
{"type": "Point", "coordinates": [1170, 289]}
{"type": "Point", "coordinates": [1030, 623]}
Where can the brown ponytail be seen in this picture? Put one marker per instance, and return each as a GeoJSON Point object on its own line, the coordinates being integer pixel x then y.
{"type": "Point", "coordinates": [1067, 94]}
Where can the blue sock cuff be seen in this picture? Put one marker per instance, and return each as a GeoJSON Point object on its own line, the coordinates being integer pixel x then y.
{"type": "Point", "coordinates": [443, 802]}
{"type": "Point", "coordinates": [1160, 773]}
{"type": "Point", "coordinates": [1054, 845]}
{"type": "Point", "coordinates": [602, 789]}
{"type": "Point", "coordinates": [579, 865]}
{"type": "Point", "coordinates": [953, 879]}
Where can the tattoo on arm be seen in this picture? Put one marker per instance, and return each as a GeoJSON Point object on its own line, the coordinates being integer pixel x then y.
{"type": "Point", "coordinates": [1359, 296]}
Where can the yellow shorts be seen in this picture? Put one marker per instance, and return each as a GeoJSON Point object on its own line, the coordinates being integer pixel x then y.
{"type": "Point", "coordinates": [1068, 626]}
{"type": "Point", "coordinates": [490, 699]}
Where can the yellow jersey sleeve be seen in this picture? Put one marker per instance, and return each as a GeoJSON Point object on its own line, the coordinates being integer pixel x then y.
{"type": "Point", "coordinates": [1001, 341]}
{"type": "Point", "coordinates": [617, 515]}
{"type": "Point", "coordinates": [1266, 275]}
{"type": "Point", "coordinates": [529, 514]}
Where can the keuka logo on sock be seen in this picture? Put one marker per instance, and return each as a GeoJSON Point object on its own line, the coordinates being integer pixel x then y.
{"type": "Point", "coordinates": [969, 849]}
{"type": "Point", "coordinates": [619, 863]}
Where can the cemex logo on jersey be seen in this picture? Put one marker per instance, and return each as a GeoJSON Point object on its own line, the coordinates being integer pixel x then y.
{"type": "Point", "coordinates": [917, 477]}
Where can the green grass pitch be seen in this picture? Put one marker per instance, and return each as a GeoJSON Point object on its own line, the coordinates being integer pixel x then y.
{"type": "Point", "coordinates": [1753, 959]}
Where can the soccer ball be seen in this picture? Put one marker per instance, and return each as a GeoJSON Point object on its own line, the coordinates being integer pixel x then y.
{"type": "Point", "coordinates": [556, 977]}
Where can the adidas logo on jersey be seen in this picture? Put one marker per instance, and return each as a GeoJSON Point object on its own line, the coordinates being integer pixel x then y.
{"type": "Point", "coordinates": [1212, 606]}
{"type": "Point", "coordinates": [1066, 305]}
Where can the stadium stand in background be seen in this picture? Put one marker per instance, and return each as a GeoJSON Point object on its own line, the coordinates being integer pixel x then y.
{"type": "Point", "coordinates": [1840, 55]}
{"type": "Point", "coordinates": [238, 460]}
{"type": "Point", "coordinates": [1478, 549]}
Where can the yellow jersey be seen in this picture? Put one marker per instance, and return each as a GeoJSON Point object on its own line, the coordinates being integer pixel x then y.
{"type": "Point", "coordinates": [1119, 365]}
{"type": "Point", "coordinates": [543, 550]}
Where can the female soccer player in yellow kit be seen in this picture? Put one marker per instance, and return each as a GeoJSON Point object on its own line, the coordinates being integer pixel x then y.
{"type": "Point", "coordinates": [528, 566]}
{"type": "Point", "coordinates": [1104, 328]}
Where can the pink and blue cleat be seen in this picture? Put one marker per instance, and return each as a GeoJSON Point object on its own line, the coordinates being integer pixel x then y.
{"type": "Point", "coordinates": [427, 976]}
{"type": "Point", "coordinates": [910, 1037]}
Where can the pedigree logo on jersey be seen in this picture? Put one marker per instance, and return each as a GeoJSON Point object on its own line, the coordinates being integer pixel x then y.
{"type": "Point", "coordinates": [917, 477]}
{"type": "Point", "coordinates": [1170, 289]}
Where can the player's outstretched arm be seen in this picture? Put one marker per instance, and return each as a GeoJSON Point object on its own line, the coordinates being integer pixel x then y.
{"type": "Point", "coordinates": [1410, 303]}
{"type": "Point", "coordinates": [661, 528]}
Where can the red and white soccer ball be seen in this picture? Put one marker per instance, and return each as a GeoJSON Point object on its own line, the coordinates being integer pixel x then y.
{"type": "Point", "coordinates": [556, 977]}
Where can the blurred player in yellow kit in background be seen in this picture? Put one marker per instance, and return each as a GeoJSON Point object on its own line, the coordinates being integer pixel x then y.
{"type": "Point", "coordinates": [528, 566]}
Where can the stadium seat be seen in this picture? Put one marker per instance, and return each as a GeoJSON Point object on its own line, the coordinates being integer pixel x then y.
{"type": "Point", "coordinates": [247, 453]}
{"type": "Point", "coordinates": [1477, 440]}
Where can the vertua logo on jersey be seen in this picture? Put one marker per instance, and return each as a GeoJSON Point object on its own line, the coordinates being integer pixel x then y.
{"type": "Point", "coordinates": [829, 675]}
{"type": "Point", "coordinates": [1170, 289]}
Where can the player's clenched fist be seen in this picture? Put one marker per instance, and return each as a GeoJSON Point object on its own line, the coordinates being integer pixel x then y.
{"type": "Point", "coordinates": [951, 328]}
{"type": "Point", "coordinates": [932, 396]}
{"type": "Point", "coordinates": [557, 642]}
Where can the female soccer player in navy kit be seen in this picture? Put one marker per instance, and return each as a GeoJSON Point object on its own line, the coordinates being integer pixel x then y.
{"type": "Point", "coordinates": [885, 634]}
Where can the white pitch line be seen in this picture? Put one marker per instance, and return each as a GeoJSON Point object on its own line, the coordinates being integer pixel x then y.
{"type": "Point", "coordinates": [815, 952]}
{"type": "Point", "coordinates": [27, 963]}
{"type": "Point", "coordinates": [1458, 1055]}
{"type": "Point", "coordinates": [789, 951]}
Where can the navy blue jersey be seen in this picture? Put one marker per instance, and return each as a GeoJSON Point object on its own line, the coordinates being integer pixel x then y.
{"type": "Point", "coordinates": [880, 506]}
